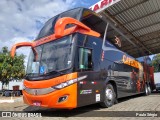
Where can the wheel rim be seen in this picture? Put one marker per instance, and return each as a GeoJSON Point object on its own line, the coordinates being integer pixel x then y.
{"type": "Point", "coordinates": [146, 90]}
{"type": "Point", "coordinates": [109, 94]}
{"type": "Point", "coordinates": [149, 88]}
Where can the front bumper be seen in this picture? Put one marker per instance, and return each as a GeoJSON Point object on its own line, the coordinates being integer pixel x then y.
{"type": "Point", "coordinates": [50, 100]}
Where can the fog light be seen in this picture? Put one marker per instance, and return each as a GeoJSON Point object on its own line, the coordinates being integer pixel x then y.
{"type": "Point", "coordinates": [63, 98]}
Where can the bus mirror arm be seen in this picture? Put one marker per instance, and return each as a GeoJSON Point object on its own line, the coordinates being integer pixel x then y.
{"type": "Point", "coordinates": [23, 44]}
{"type": "Point", "coordinates": [60, 27]}
{"type": "Point", "coordinates": [35, 54]}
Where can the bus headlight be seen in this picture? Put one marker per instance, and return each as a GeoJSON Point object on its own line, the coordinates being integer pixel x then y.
{"type": "Point", "coordinates": [69, 82]}
{"type": "Point", "coordinates": [42, 91]}
{"type": "Point", "coordinates": [65, 84]}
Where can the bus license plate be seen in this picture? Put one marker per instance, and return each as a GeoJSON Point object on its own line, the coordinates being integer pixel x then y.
{"type": "Point", "coordinates": [37, 103]}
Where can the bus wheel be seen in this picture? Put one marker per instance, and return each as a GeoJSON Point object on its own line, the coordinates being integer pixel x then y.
{"type": "Point", "coordinates": [109, 96]}
{"type": "Point", "coordinates": [149, 90]}
{"type": "Point", "coordinates": [146, 92]}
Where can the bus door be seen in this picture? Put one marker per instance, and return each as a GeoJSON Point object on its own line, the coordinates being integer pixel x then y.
{"type": "Point", "coordinates": [90, 87]}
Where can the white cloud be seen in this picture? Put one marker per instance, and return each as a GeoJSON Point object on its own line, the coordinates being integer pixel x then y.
{"type": "Point", "coordinates": [21, 20]}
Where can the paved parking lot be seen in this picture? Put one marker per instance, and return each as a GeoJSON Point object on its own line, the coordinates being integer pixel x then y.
{"type": "Point", "coordinates": [131, 104]}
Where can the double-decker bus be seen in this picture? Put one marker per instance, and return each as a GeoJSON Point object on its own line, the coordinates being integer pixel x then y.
{"type": "Point", "coordinates": [76, 60]}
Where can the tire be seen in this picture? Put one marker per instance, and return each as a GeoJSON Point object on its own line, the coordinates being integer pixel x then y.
{"type": "Point", "coordinates": [146, 92]}
{"type": "Point", "coordinates": [149, 90]}
{"type": "Point", "coordinates": [109, 99]}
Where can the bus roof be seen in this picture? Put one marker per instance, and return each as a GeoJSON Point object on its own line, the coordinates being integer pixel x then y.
{"type": "Point", "coordinates": [93, 21]}
{"type": "Point", "coordinates": [89, 18]}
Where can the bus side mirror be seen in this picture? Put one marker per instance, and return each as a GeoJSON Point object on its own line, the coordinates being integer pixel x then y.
{"type": "Point", "coordinates": [23, 44]}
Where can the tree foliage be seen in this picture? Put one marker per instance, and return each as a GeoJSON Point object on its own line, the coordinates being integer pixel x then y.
{"type": "Point", "coordinates": [11, 68]}
{"type": "Point", "coordinates": [156, 63]}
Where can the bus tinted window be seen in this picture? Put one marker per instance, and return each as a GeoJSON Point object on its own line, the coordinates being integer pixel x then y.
{"type": "Point", "coordinates": [118, 40]}
{"type": "Point", "coordinates": [85, 58]}
{"type": "Point", "coordinates": [48, 28]}
{"type": "Point", "coordinates": [93, 21]}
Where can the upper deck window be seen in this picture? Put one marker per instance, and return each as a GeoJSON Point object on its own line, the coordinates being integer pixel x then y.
{"type": "Point", "coordinates": [93, 21]}
{"type": "Point", "coordinates": [48, 28]}
{"type": "Point", "coordinates": [89, 18]}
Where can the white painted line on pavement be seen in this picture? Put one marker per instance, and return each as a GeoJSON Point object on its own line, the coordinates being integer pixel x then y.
{"type": "Point", "coordinates": [6, 101]}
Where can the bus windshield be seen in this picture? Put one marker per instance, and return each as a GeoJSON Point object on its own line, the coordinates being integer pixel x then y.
{"type": "Point", "coordinates": [54, 56]}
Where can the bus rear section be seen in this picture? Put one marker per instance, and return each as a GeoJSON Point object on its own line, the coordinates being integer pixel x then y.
{"type": "Point", "coordinates": [152, 82]}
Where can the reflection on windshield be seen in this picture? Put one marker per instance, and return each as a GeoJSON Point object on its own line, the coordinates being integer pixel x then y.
{"type": "Point", "coordinates": [53, 56]}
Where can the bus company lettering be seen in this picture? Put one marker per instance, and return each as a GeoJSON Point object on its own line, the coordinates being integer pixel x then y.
{"type": "Point", "coordinates": [130, 61]}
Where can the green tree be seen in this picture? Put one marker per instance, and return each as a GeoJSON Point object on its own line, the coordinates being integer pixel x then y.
{"type": "Point", "coordinates": [156, 63]}
{"type": "Point", "coordinates": [11, 68]}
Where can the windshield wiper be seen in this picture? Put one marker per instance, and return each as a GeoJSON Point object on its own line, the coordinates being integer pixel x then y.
{"type": "Point", "coordinates": [30, 74]}
{"type": "Point", "coordinates": [54, 71]}
{"type": "Point", "coordinates": [49, 73]}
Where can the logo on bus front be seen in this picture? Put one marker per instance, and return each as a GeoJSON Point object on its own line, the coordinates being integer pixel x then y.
{"type": "Point", "coordinates": [35, 92]}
